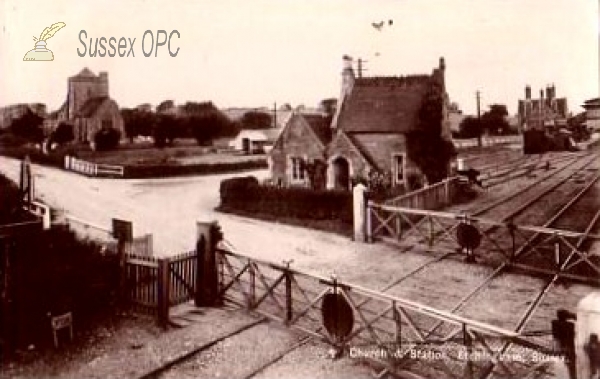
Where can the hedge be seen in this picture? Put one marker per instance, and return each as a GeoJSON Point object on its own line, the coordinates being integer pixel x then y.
{"type": "Point", "coordinates": [54, 159]}
{"type": "Point", "coordinates": [10, 203]}
{"type": "Point", "coordinates": [161, 171]}
{"type": "Point", "coordinates": [246, 195]}
{"type": "Point", "coordinates": [54, 273]}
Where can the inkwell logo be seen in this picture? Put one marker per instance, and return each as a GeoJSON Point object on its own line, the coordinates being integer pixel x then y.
{"type": "Point", "coordinates": [41, 53]}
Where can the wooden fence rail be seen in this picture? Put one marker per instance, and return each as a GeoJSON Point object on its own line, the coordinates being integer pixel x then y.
{"type": "Point", "coordinates": [435, 196]}
{"type": "Point", "coordinates": [538, 249]}
{"type": "Point", "coordinates": [93, 169]}
{"type": "Point", "coordinates": [487, 141]}
{"type": "Point", "coordinates": [405, 334]}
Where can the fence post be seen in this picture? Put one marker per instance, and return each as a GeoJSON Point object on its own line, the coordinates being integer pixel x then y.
{"type": "Point", "coordinates": [46, 217]}
{"type": "Point", "coordinates": [431, 231]}
{"type": "Point", "coordinates": [588, 324]}
{"type": "Point", "coordinates": [359, 202]}
{"type": "Point", "coordinates": [207, 279]}
{"type": "Point", "coordinates": [447, 191]}
{"type": "Point", "coordinates": [369, 222]}
{"type": "Point", "coordinates": [289, 312]}
{"type": "Point", "coordinates": [252, 284]}
{"type": "Point", "coordinates": [163, 292]}
{"type": "Point", "coordinates": [150, 245]}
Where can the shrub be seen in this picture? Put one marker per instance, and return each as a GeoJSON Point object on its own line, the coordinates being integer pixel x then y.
{"type": "Point", "coordinates": [166, 170]}
{"type": "Point", "coordinates": [244, 194]}
{"type": "Point", "coordinates": [55, 159]}
{"type": "Point", "coordinates": [56, 273]}
{"type": "Point", "coordinates": [107, 139]}
{"type": "Point", "coordinates": [10, 203]}
{"type": "Point", "coordinates": [9, 139]}
{"type": "Point", "coordinates": [62, 134]}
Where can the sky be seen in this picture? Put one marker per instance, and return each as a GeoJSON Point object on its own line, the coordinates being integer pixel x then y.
{"type": "Point", "coordinates": [242, 53]}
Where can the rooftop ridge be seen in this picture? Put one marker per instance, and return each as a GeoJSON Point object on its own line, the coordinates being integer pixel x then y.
{"type": "Point", "coordinates": [393, 80]}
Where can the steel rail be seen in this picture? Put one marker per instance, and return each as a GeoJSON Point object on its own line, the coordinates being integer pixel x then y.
{"type": "Point", "coordinates": [527, 170]}
{"type": "Point", "coordinates": [535, 183]}
{"type": "Point", "coordinates": [523, 320]}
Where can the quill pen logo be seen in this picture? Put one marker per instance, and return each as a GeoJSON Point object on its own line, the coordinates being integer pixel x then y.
{"type": "Point", "coordinates": [41, 53]}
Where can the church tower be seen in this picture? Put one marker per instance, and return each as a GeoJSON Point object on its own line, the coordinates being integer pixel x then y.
{"type": "Point", "coordinates": [85, 86]}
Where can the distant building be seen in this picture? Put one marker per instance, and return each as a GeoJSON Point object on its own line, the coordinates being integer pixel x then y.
{"type": "Point", "coordinates": [455, 117]}
{"type": "Point", "coordinates": [546, 111]}
{"type": "Point", "coordinates": [88, 107]}
{"type": "Point", "coordinates": [592, 114]}
{"type": "Point", "coordinates": [262, 140]}
{"type": "Point", "coordinates": [255, 141]}
{"type": "Point", "coordinates": [14, 111]}
{"type": "Point", "coordinates": [367, 132]}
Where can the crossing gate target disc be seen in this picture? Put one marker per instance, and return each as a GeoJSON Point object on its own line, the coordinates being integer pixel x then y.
{"type": "Point", "coordinates": [468, 236]}
{"type": "Point", "coordinates": [337, 315]}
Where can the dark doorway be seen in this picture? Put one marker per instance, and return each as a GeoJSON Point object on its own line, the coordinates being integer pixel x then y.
{"type": "Point", "coordinates": [341, 173]}
{"type": "Point", "coordinates": [246, 145]}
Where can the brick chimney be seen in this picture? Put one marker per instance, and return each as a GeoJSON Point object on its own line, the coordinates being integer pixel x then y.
{"type": "Point", "coordinates": [527, 92]}
{"type": "Point", "coordinates": [348, 79]}
{"type": "Point", "coordinates": [347, 75]}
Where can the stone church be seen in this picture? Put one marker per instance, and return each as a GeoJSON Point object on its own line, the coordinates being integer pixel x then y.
{"type": "Point", "coordinates": [88, 107]}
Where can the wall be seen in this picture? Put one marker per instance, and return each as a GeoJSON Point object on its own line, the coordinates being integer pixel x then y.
{"type": "Point", "coordinates": [296, 140]}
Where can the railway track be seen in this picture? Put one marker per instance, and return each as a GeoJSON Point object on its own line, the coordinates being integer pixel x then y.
{"type": "Point", "coordinates": [503, 208]}
{"type": "Point", "coordinates": [523, 169]}
{"type": "Point", "coordinates": [512, 212]}
{"type": "Point", "coordinates": [580, 198]}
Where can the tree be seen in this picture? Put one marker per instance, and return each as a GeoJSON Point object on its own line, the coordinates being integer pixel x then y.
{"type": "Point", "coordinates": [256, 120]}
{"type": "Point", "coordinates": [285, 107]}
{"type": "Point", "coordinates": [425, 145]}
{"type": "Point", "coordinates": [329, 106]}
{"type": "Point", "coordinates": [138, 123]}
{"type": "Point", "coordinates": [494, 120]}
{"type": "Point", "coordinates": [28, 126]}
{"type": "Point", "coordinates": [165, 105]}
{"type": "Point", "coordinates": [63, 134]}
{"type": "Point", "coordinates": [470, 127]}
{"type": "Point", "coordinates": [107, 139]}
{"type": "Point", "coordinates": [165, 130]}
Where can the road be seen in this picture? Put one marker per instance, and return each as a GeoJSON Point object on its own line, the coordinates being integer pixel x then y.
{"type": "Point", "coordinates": [170, 208]}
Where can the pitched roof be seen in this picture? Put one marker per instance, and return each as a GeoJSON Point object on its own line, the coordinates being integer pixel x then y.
{"type": "Point", "coordinates": [85, 73]}
{"type": "Point", "coordinates": [91, 106]}
{"type": "Point", "coordinates": [55, 115]}
{"type": "Point", "coordinates": [383, 104]}
{"type": "Point", "coordinates": [319, 126]}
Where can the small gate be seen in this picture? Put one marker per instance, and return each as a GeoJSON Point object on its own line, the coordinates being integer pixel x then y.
{"type": "Point", "coordinates": [156, 284]}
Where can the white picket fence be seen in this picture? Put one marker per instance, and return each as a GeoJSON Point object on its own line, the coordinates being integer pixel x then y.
{"type": "Point", "coordinates": [92, 169]}
{"type": "Point", "coordinates": [487, 141]}
{"type": "Point", "coordinates": [41, 210]}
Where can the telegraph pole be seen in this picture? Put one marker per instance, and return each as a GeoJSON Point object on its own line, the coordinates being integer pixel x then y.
{"type": "Point", "coordinates": [275, 114]}
{"type": "Point", "coordinates": [360, 67]}
{"type": "Point", "coordinates": [478, 96]}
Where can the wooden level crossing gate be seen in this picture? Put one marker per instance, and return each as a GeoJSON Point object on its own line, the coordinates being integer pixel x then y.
{"type": "Point", "coordinates": [401, 335]}
{"type": "Point", "coordinates": [535, 249]}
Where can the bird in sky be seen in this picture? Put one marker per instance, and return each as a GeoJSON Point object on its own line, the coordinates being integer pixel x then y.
{"type": "Point", "coordinates": [379, 25]}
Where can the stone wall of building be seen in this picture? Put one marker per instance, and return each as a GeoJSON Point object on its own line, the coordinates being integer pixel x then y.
{"type": "Point", "coordinates": [296, 140]}
{"type": "Point", "coordinates": [84, 87]}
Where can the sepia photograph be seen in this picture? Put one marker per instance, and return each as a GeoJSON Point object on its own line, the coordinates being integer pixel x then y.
{"type": "Point", "coordinates": [300, 189]}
